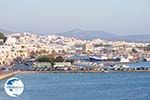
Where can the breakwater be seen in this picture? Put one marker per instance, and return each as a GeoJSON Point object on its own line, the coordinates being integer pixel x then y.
{"type": "Point", "coordinates": [9, 74]}
{"type": "Point", "coordinates": [84, 70]}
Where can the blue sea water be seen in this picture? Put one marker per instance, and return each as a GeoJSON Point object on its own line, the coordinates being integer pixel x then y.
{"type": "Point", "coordinates": [139, 64]}
{"type": "Point", "coordinates": [83, 86]}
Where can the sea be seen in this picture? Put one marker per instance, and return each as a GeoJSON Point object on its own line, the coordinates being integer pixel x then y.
{"type": "Point", "coordinates": [83, 86]}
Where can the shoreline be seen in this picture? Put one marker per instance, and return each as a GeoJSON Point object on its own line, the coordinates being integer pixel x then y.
{"type": "Point", "coordinates": [7, 75]}
{"type": "Point", "coordinates": [38, 72]}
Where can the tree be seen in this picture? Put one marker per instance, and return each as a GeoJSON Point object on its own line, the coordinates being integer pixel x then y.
{"type": "Point", "coordinates": [59, 59]}
{"type": "Point", "coordinates": [33, 54]}
{"type": "Point", "coordinates": [43, 59]}
{"type": "Point", "coordinates": [2, 36]}
{"type": "Point", "coordinates": [53, 52]}
{"type": "Point", "coordinates": [63, 51]}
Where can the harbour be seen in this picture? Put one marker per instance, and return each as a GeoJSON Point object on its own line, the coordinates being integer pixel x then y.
{"type": "Point", "coordinates": [75, 50]}
{"type": "Point", "coordinates": [133, 67]}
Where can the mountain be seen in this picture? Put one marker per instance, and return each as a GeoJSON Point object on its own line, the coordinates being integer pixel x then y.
{"type": "Point", "coordinates": [88, 35]}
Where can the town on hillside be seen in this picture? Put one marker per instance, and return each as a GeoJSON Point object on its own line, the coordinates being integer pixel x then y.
{"type": "Point", "coordinates": [32, 52]}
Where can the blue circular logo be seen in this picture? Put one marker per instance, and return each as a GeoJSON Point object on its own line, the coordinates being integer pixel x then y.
{"type": "Point", "coordinates": [14, 87]}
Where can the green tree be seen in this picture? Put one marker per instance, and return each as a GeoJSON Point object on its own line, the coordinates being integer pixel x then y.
{"type": "Point", "coordinates": [2, 36]}
{"type": "Point", "coordinates": [43, 59]}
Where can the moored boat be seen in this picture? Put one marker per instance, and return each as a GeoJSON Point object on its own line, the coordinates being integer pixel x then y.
{"type": "Point", "coordinates": [124, 60]}
{"type": "Point", "coordinates": [95, 58]}
{"type": "Point", "coordinates": [146, 59]}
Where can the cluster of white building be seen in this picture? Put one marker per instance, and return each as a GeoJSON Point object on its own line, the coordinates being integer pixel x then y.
{"type": "Point", "coordinates": [22, 44]}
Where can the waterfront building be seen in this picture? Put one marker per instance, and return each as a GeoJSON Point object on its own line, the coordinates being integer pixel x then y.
{"type": "Point", "coordinates": [1, 41]}
{"type": "Point", "coordinates": [42, 65]}
{"type": "Point", "coordinates": [88, 47]}
{"type": "Point", "coordinates": [62, 64]}
{"type": "Point", "coordinates": [11, 40]}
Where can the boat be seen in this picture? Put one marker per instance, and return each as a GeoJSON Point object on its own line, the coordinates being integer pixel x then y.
{"type": "Point", "coordinates": [125, 66]}
{"type": "Point", "coordinates": [116, 59]}
{"type": "Point", "coordinates": [124, 60]}
{"type": "Point", "coordinates": [106, 71]}
{"type": "Point", "coordinates": [95, 58]}
{"type": "Point", "coordinates": [119, 66]}
{"type": "Point", "coordinates": [114, 66]}
{"type": "Point", "coordinates": [146, 59]}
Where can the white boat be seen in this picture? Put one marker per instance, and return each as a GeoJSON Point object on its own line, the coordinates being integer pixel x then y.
{"type": "Point", "coordinates": [120, 66]}
{"type": "Point", "coordinates": [147, 59]}
{"type": "Point", "coordinates": [124, 60]}
{"type": "Point", "coordinates": [106, 71]}
{"type": "Point", "coordinates": [125, 66]}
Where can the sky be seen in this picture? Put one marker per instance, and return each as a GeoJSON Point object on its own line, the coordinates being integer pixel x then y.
{"type": "Point", "coordinates": [53, 16]}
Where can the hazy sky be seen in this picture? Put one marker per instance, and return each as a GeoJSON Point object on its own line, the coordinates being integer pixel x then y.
{"type": "Point", "coordinates": [48, 16]}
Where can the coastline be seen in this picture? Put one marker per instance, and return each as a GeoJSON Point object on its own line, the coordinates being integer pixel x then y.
{"type": "Point", "coordinates": [7, 75]}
